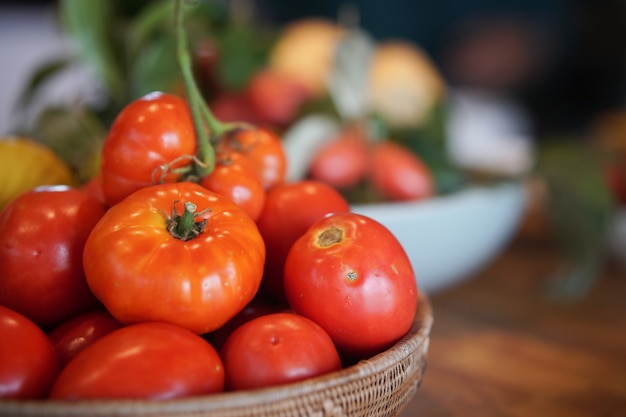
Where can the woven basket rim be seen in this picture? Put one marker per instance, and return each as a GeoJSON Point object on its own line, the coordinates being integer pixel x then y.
{"type": "Point", "coordinates": [416, 338]}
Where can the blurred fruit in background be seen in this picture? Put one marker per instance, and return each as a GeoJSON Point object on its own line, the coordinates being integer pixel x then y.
{"type": "Point", "coordinates": [26, 164]}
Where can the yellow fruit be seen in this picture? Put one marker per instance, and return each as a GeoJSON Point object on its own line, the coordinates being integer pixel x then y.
{"type": "Point", "coordinates": [305, 51]}
{"type": "Point", "coordinates": [26, 164]}
{"type": "Point", "coordinates": [403, 83]}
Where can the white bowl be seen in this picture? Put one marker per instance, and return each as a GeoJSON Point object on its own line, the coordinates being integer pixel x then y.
{"type": "Point", "coordinates": [450, 238]}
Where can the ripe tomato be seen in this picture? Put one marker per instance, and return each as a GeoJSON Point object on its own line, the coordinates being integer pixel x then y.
{"type": "Point", "coordinates": [349, 274]}
{"type": "Point", "coordinates": [289, 210]}
{"type": "Point", "coordinates": [276, 349]}
{"type": "Point", "coordinates": [265, 150]}
{"type": "Point", "coordinates": [141, 271]}
{"type": "Point", "coordinates": [236, 178]}
{"type": "Point", "coordinates": [42, 234]}
{"type": "Point", "coordinates": [152, 131]}
{"type": "Point", "coordinates": [259, 306]}
{"type": "Point", "coordinates": [343, 162]}
{"type": "Point", "coordinates": [28, 364]}
{"type": "Point", "coordinates": [275, 97]}
{"type": "Point", "coordinates": [78, 332]}
{"type": "Point", "coordinates": [145, 360]}
{"type": "Point", "coordinates": [398, 173]}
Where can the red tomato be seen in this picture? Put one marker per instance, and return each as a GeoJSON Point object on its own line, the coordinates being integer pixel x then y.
{"type": "Point", "coordinates": [28, 364]}
{"type": "Point", "coordinates": [349, 274]}
{"type": "Point", "coordinates": [145, 360]}
{"type": "Point", "coordinates": [274, 97]}
{"type": "Point", "coordinates": [342, 162]}
{"type": "Point", "coordinates": [265, 150]}
{"type": "Point", "coordinates": [289, 210]}
{"type": "Point", "coordinates": [75, 334]}
{"type": "Point", "coordinates": [398, 173]}
{"type": "Point", "coordinates": [141, 271]}
{"type": "Point", "coordinates": [233, 107]}
{"type": "Point", "coordinates": [236, 178]}
{"type": "Point", "coordinates": [259, 306]}
{"type": "Point", "coordinates": [93, 187]}
{"type": "Point", "coordinates": [42, 234]}
{"type": "Point", "coordinates": [276, 349]}
{"type": "Point", "coordinates": [148, 133]}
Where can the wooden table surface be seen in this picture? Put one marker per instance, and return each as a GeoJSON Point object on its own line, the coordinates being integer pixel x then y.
{"type": "Point", "coordinates": [499, 347]}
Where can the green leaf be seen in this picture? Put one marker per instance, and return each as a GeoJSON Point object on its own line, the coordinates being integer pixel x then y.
{"type": "Point", "coordinates": [40, 77]}
{"type": "Point", "coordinates": [90, 24]}
{"type": "Point", "coordinates": [155, 68]}
{"type": "Point", "coordinates": [580, 210]}
{"type": "Point", "coordinates": [150, 19]}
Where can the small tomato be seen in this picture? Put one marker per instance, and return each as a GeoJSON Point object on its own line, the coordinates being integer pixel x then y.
{"type": "Point", "coordinates": [289, 210]}
{"type": "Point", "coordinates": [78, 332]}
{"type": "Point", "coordinates": [276, 349]}
{"type": "Point", "coordinates": [28, 364]}
{"type": "Point", "coordinates": [42, 235]}
{"type": "Point", "coordinates": [151, 132]}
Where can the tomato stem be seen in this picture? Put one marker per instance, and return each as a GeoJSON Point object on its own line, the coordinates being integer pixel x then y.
{"type": "Point", "coordinates": [200, 112]}
{"type": "Point", "coordinates": [184, 226]}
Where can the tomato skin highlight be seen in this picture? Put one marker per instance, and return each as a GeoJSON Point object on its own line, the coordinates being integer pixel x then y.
{"type": "Point", "coordinates": [275, 349]}
{"type": "Point", "coordinates": [28, 362]}
{"type": "Point", "coordinates": [149, 132]}
{"type": "Point", "coordinates": [80, 331]}
{"type": "Point", "coordinates": [364, 277]}
{"type": "Point", "coordinates": [141, 272]}
{"type": "Point", "coordinates": [42, 234]}
{"type": "Point", "coordinates": [289, 210]}
{"type": "Point", "coordinates": [148, 361]}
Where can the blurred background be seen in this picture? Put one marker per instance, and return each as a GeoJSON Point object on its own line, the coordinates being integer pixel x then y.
{"type": "Point", "coordinates": [565, 61]}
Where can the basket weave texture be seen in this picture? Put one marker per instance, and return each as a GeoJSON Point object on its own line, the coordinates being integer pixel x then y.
{"type": "Point", "coordinates": [376, 387]}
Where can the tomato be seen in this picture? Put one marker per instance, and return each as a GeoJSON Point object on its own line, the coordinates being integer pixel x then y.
{"type": "Point", "coordinates": [276, 349]}
{"type": "Point", "coordinates": [275, 97]}
{"type": "Point", "coordinates": [145, 360]}
{"type": "Point", "coordinates": [236, 178]}
{"type": "Point", "coordinates": [80, 331]}
{"type": "Point", "coordinates": [42, 234]}
{"type": "Point", "coordinates": [28, 363]}
{"type": "Point", "coordinates": [151, 132]}
{"type": "Point", "coordinates": [343, 162]}
{"type": "Point", "coordinates": [398, 173]}
{"type": "Point", "coordinates": [289, 210]}
{"type": "Point", "coordinates": [265, 150]}
{"type": "Point", "coordinates": [230, 106]}
{"type": "Point", "coordinates": [141, 267]}
{"type": "Point", "coordinates": [26, 164]}
{"type": "Point", "coordinates": [349, 274]}
{"type": "Point", "coordinates": [93, 187]}
{"type": "Point", "coordinates": [259, 306]}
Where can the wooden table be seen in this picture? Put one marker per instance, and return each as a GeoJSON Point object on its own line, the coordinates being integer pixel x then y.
{"type": "Point", "coordinates": [499, 347]}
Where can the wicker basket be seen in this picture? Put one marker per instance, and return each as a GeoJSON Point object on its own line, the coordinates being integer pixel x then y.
{"type": "Point", "coordinates": [379, 386]}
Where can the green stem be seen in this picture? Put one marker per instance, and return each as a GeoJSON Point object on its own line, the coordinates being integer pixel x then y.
{"type": "Point", "coordinates": [199, 110]}
{"type": "Point", "coordinates": [186, 221]}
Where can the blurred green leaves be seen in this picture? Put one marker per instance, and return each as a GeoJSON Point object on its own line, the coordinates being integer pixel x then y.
{"type": "Point", "coordinates": [580, 209]}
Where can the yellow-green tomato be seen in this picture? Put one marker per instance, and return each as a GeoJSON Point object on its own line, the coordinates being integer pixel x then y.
{"type": "Point", "coordinates": [25, 164]}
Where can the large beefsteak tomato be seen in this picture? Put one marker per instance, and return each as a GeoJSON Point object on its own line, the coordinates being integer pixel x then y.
{"type": "Point", "coordinates": [143, 266]}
